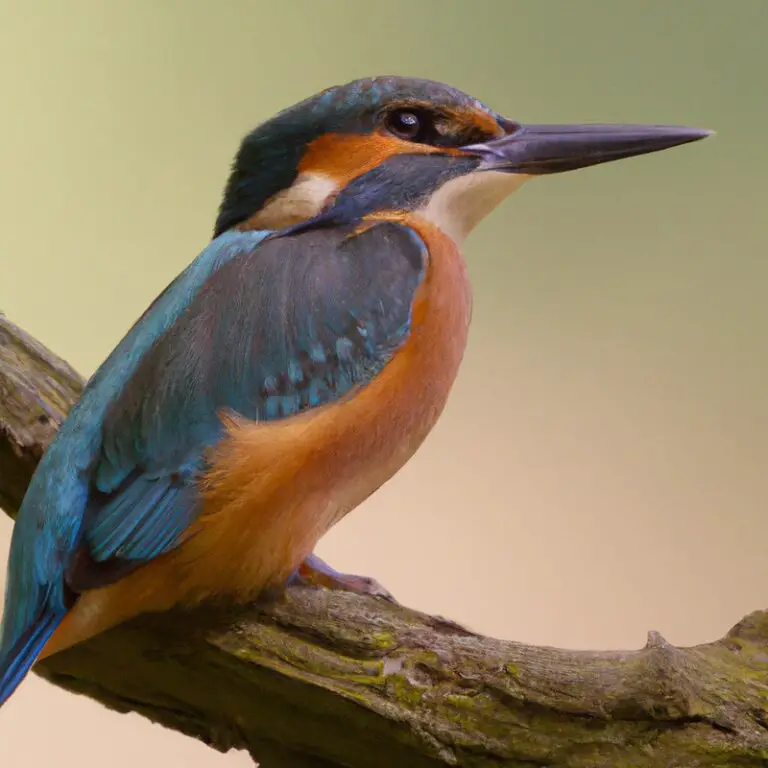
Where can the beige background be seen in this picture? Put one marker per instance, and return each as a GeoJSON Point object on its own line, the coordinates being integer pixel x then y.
{"type": "Point", "coordinates": [600, 469]}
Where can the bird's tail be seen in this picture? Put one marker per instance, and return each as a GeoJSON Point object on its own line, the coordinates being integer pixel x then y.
{"type": "Point", "coordinates": [18, 659]}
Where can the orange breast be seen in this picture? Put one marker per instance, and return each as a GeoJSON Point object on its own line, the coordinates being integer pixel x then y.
{"type": "Point", "coordinates": [274, 489]}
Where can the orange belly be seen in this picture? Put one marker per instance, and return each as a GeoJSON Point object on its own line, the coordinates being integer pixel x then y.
{"type": "Point", "coordinates": [275, 488]}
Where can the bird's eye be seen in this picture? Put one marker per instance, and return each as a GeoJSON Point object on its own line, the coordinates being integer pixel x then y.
{"type": "Point", "coordinates": [410, 125]}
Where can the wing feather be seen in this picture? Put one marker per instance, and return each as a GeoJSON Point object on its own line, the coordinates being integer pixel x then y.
{"type": "Point", "coordinates": [265, 327]}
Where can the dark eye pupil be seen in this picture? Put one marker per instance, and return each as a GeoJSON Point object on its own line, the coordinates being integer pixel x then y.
{"type": "Point", "coordinates": [407, 124]}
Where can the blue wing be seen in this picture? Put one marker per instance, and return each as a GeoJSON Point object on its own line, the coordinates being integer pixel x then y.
{"type": "Point", "coordinates": [265, 327]}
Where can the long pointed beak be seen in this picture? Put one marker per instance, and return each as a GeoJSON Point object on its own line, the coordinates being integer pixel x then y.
{"type": "Point", "coordinates": [540, 149]}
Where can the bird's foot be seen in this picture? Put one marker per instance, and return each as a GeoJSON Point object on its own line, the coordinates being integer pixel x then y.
{"type": "Point", "coordinates": [315, 572]}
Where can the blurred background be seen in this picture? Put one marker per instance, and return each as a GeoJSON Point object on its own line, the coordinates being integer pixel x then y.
{"type": "Point", "coordinates": [600, 469]}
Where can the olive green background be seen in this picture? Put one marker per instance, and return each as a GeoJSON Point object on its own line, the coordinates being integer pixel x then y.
{"type": "Point", "coordinates": [600, 470]}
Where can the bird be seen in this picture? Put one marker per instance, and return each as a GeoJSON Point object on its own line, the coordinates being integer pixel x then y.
{"type": "Point", "coordinates": [291, 370]}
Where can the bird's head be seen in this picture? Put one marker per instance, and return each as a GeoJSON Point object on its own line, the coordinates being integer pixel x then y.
{"type": "Point", "coordinates": [396, 143]}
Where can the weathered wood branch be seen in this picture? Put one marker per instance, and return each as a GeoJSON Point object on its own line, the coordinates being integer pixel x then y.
{"type": "Point", "coordinates": [327, 679]}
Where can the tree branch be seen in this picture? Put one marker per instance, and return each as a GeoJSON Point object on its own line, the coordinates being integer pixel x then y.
{"type": "Point", "coordinates": [329, 679]}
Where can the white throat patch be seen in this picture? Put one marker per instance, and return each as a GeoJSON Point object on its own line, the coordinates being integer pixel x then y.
{"type": "Point", "coordinates": [460, 204]}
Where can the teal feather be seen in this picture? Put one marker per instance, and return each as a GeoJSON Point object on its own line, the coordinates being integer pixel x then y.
{"type": "Point", "coordinates": [52, 514]}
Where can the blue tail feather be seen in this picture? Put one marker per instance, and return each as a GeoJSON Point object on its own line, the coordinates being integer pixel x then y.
{"type": "Point", "coordinates": [17, 660]}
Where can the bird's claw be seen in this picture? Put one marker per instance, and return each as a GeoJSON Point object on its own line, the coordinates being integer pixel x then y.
{"type": "Point", "coordinates": [316, 573]}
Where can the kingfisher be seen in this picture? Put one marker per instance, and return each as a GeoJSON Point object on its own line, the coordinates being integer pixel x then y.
{"type": "Point", "coordinates": [289, 371]}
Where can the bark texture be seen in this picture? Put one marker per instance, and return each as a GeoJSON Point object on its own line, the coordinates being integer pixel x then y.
{"type": "Point", "coordinates": [325, 679]}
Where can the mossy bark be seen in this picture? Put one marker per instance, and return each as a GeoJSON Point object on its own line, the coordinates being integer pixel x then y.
{"type": "Point", "coordinates": [330, 679]}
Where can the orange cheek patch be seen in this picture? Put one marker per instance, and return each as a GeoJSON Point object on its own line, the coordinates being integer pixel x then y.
{"type": "Point", "coordinates": [344, 157]}
{"type": "Point", "coordinates": [478, 120]}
